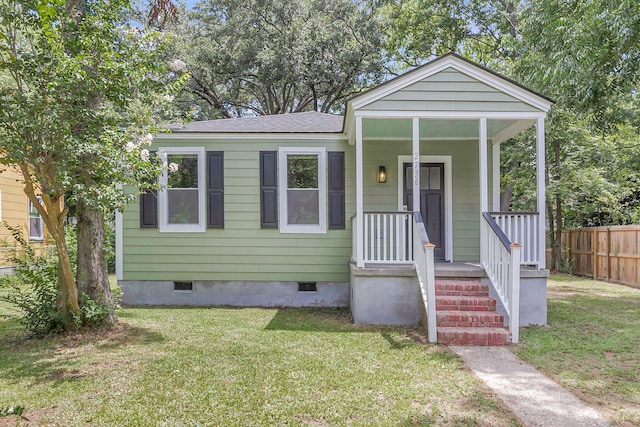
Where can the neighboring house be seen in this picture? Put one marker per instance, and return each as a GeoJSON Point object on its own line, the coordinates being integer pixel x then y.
{"type": "Point", "coordinates": [312, 209]}
{"type": "Point", "coordinates": [17, 211]}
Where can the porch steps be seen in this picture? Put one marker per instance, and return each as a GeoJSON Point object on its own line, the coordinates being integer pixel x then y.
{"type": "Point", "coordinates": [466, 314]}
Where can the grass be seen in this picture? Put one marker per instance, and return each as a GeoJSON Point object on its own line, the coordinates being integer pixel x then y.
{"type": "Point", "coordinates": [591, 345]}
{"type": "Point", "coordinates": [225, 366]}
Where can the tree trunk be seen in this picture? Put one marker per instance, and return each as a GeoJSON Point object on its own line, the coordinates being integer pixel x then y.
{"type": "Point", "coordinates": [556, 213]}
{"type": "Point", "coordinates": [505, 197]}
{"type": "Point", "coordinates": [67, 299]}
{"type": "Point", "coordinates": [92, 274]}
{"type": "Point", "coordinates": [53, 215]}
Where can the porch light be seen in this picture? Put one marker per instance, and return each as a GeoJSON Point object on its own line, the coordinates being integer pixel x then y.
{"type": "Point", "coordinates": [382, 174]}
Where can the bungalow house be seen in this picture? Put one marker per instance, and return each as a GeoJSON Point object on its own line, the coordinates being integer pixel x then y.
{"type": "Point", "coordinates": [377, 210]}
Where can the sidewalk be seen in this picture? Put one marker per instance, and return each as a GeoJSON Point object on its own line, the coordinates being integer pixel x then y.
{"type": "Point", "coordinates": [534, 398]}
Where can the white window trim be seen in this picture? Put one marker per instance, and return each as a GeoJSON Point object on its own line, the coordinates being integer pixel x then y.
{"type": "Point", "coordinates": [163, 199]}
{"type": "Point", "coordinates": [29, 206]}
{"type": "Point", "coordinates": [321, 152]}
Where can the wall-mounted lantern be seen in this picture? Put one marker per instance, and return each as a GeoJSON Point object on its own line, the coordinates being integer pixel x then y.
{"type": "Point", "coordinates": [382, 174]}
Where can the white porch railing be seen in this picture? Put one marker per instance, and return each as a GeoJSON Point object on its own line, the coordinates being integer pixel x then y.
{"type": "Point", "coordinates": [426, 273]}
{"type": "Point", "coordinates": [521, 227]}
{"type": "Point", "coordinates": [401, 238]}
{"type": "Point", "coordinates": [501, 261]}
{"type": "Point", "coordinates": [387, 238]}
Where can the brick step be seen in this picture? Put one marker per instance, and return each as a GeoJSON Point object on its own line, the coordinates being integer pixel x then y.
{"type": "Point", "coordinates": [461, 287]}
{"type": "Point", "coordinates": [452, 318]}
{"type": "Point", "coordinates": [465, 303]}
{"type": "Point", "coordinates": [473, 336]}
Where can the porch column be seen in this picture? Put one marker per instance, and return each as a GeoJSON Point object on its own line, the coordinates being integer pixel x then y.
{"type": "Point", "coordinates": [484, 199]}
{"type": "Point", "coordinates": [484, 192]}
{"type": "Point", "coordinates": [416, 164]}
{"type": "Point", "coordinates": [496, 178]}
{"type": "Point", "coordinates": [359, 195]}
{"type": "Point", "coordinates": [540, 178]}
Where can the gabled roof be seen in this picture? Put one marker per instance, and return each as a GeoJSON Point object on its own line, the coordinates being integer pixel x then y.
{"type": "Point", "coordinates": [306, 122]}
{"type": "Point", "coordinates": [459, 63]}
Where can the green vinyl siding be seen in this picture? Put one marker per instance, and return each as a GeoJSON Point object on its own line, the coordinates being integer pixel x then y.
{"type": "Point", "coordinates": [449, 90]}
{"type": "Point", "coordinates": [242, 250]}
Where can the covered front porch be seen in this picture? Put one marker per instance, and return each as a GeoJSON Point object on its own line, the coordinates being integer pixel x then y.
{"type": "Point", "coordinates": [427, 178]}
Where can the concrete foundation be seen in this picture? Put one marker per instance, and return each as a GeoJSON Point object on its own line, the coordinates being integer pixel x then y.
{"type": "Point", "coordinates": [235, 293]}
{"type": "Point", "coordinates": [385, 296]}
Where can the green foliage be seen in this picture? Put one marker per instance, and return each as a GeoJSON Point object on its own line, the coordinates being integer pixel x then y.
{"type": "Point", "coordinates": [33, 288]}
{"type": "Point", "coordinates": [566, 266]}
{"type": "Point", "coordinates": [93, 314]}
{"type": "Point", "coordinates": [110, 243]}
{"type": "Point", "coordinates": [86, 90]}
{"type": "Point", "coordinates": [418, 30]}
{"type": "Point", "coordinates": [594, 62]}
{"type": "Point", "coordinates": [290, 56]}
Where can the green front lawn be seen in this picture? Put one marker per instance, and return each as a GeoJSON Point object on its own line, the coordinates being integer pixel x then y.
{"type": "Point", "coordinates": [224, 366]}
{"type": "Point", "coordinates": [591, 345]}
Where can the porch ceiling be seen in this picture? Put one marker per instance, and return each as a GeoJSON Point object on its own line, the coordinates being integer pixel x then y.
{"type": "Point", "coordinates": [384, 129]}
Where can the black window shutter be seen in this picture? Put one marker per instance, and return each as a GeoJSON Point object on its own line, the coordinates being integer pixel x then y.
{"type": "Point", "coordinates": [149, 206]}
{"type": "Point", "coordinates": [215, 189]}
{"type": "Point", "coordinates": [336, 190]}
{"type": "Point", "coordinates": [149, 209]}
{"type": "Point", "coordinates": [269, 189]}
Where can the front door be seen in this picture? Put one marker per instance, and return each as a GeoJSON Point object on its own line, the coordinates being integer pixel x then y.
{"type": "Point", "coordinates": [431, 201]}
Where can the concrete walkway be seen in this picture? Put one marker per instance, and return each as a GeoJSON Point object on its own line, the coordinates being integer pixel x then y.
{"type": "Point", "coordinates": [534, 398]}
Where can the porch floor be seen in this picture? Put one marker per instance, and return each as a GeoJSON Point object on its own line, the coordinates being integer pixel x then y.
{"type": "Point", "coordinates": [443, 270]}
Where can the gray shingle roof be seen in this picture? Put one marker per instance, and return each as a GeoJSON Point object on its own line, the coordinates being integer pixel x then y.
{"type": "Point", "coordinates": [307, 122]}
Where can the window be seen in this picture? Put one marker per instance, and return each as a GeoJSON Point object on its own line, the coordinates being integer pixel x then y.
{"type": "Point", "coordinates": [181, 200]}
{"type": "Point", "coordinates": [302, 188]}
{"type": "Point", "coordinates": [36, 226]}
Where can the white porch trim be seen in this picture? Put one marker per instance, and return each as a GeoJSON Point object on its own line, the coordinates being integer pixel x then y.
{"type": "Point", "coordinates": [505, 115]}
{"type": "Point", "coordinates": [359, 195]}
{"type": "Point", "coordinates": [448, 195]}
{"type": "Point", "coordinates": [416, 164]}
{"type": "Point", "coordinates": [540, 180]}
{"type": "Point", "coordinates": [483, 167]}
{"type": "Point", "coordinates": [495, 176]}
{"type": "Point", "coordinates": [530, 117]}
{"type": "Point", "coordinates": [119, 244]}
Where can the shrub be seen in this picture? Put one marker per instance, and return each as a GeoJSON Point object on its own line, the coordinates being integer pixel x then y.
{"type": "Point", "coordinates": [33, 288]}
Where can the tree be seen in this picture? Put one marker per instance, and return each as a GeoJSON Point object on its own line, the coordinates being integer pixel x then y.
{"type": "Point", "coordinates": [84, 90]}
{"type": "Point", "coordinates": [289, 56]}
{"type": "Point", "coordinates": [481, 30]}
{"type": "Point", "coordinates": [587, 56]}
{"type": "Point", "coordinates": [586, 53]}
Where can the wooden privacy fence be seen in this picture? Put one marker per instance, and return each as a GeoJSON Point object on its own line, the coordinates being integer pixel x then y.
{"type": "Point", "coordinates": [607, 253]}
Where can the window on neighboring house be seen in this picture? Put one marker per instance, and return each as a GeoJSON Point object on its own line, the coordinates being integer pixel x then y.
{"type": "Point", "coordinates": [36, 226]}
{"type": "Point", "coordinates": [302, 188]}
{"type": "Point", "coordinates": [181, 200]}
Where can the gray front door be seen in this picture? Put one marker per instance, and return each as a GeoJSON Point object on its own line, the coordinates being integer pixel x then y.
{"type": "Point", "coordinates": [431, 201]}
